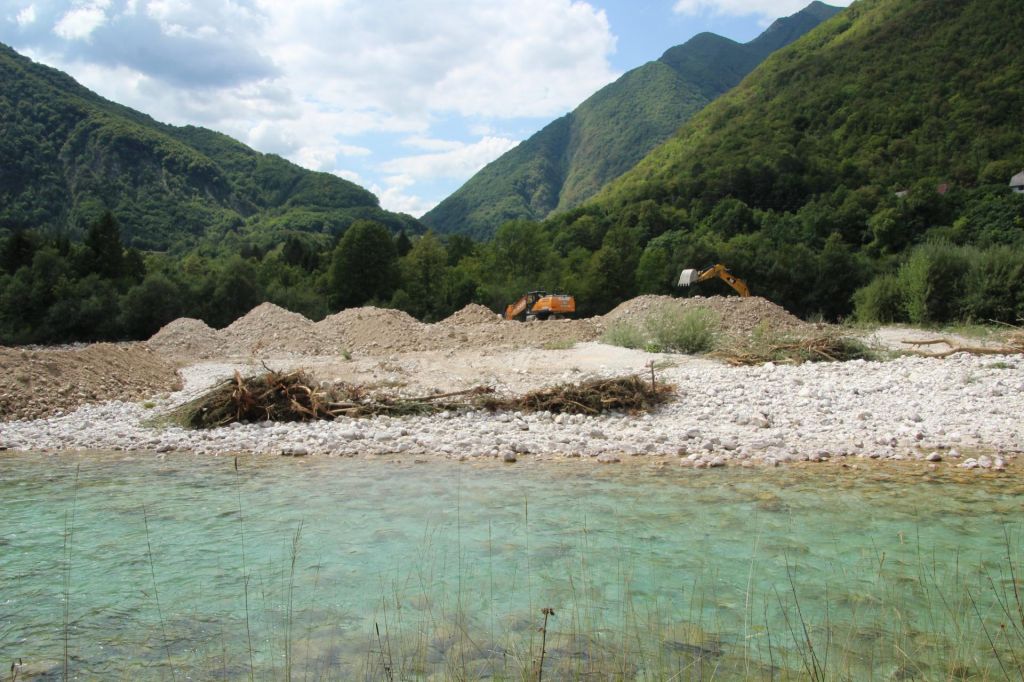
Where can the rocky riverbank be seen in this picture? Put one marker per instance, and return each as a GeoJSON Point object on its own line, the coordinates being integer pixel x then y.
{"type": "Point", "coordinates": [959, 411]}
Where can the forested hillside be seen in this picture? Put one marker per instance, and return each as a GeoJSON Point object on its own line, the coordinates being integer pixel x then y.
{"type": "Point", "coordinates": [894, 125]}
{"type": "Point", "coordinates": [865, 169]}
{"type": "Point", "coordinates": [570, 159]}
{"type": "Point", "coordinates": [68, 156]}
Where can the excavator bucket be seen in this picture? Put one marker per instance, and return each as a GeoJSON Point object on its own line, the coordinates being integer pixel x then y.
{"type": "Point", "coordinates": [687, 277]}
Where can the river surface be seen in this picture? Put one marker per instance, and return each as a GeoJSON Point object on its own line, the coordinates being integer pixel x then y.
{"type": "Point", "coordinates": [130, 566]}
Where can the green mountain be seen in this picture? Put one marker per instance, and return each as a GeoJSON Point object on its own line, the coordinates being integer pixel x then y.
{"type": "Point", "coordinates": [67, 155]}
{"type": "Point", "coordinates": [876, 149]}
{"type": "Point", "coordinates": [570, 159]}
{"type": "Point", "coordinates": [890, 93]}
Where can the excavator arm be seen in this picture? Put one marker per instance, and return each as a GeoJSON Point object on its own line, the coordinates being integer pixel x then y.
{"type": "Point", "coordinates": [688, 277]}
{"type": "Point", "coordinates": [513, 310]}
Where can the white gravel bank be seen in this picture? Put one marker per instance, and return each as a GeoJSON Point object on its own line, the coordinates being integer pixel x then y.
{"type": "Point", "coordinates": [964, 409]}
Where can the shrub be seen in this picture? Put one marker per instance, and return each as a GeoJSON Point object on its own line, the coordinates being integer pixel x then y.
{"type": "Point", "coordinates": [690, 331]}
{"type": "Point", "coordinates": [931, 282]}
{"type": "Point", "coordinates": [667, 330]}
{"type": "Point", "coordinates": [624, 334]}
{"type": "Point", "coordinates": [879, 301]}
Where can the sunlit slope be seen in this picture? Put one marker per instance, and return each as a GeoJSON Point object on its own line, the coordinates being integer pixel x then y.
{"type": "Point", "coordinates": [569, 160]}
{"type": "Point", "coordinates": [889, 94]}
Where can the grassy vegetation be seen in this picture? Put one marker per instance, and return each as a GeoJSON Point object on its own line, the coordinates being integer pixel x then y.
{"type": "Point", "coordinates": [667, 330]}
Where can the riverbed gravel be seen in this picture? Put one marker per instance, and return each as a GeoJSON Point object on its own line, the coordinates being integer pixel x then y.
{"type": "Point", "coordinates": [963, 411]}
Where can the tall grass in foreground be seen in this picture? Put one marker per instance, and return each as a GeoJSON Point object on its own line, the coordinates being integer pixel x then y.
{"type": "Point", "coordinates": [569, 611]}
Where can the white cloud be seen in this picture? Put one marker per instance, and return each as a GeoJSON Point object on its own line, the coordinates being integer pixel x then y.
{"type": "Point", "coordinates": [489, 58]}
{"type": "Point", "coordinates": [393, 198]}
{"type": "Point", "coordinates": [26, 16]}
{"type": "Point", "coordinates": [458, 162]}
{"type": "Point", "coordinates": [767, 9]}
{"type": "Point", "coordinates": [306, 78]}
{"type": "Point", "coordinates": [79, 23]}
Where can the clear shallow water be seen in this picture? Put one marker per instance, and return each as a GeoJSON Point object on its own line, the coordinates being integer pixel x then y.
{"type": "Point", "coordinates": [345, 569]}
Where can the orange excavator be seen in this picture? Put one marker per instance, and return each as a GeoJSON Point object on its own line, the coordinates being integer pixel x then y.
{"type": "Point", "coordinates": [688, 277]}
{"type": "Point", "coordinates": [540, 305]}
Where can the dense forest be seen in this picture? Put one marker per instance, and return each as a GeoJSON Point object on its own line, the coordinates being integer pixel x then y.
{"type": "Point", "coordinates": [862, 171]}
{"type": "Point", "coordinates": [69, 156]}
{"type": "Point", "coordinates": [572, 158]}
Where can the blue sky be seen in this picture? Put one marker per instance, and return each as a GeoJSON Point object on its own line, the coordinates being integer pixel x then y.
{"type": "Point", "coordinates": [408, 98]}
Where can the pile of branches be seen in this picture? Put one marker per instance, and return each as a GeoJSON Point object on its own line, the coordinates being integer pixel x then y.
{"type": "Point", "coordinates": [828, 347]}
{"type": "Point", "coordinates": [294, 397]}
{"type": "Point", "coordinates": [627, 394]}
{"type": "Point", "coordinates": [291, 397]}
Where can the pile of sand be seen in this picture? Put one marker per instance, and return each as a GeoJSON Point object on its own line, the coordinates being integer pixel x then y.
{"type": "Point", "coordinates": [42, 382]}
{"type": "Point", "coordinates": [189, 338]}
{"type": "Point", "coordinates": [267, 327]}
{"type": "Point", "coordinates": [377, 331]}
{"type": "Point", "coordinates": [737, 315]}
{"type": "Point", "coordinates": [369, 331]}
{"type": "Point", "coordinates": [474, 313]}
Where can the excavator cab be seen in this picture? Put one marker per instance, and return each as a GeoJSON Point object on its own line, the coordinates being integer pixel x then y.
{"type": "Point", "coordinates": [540, 305]}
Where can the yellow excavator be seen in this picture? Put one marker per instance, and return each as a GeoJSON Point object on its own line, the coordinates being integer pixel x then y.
{"type": "Point", "coordinates": [688, 277]}
{"type": "Point", "coordinates": [540, 305]}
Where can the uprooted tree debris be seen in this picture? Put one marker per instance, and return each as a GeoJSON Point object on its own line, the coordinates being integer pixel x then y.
{"type": "Point", "coordinates": [826, 347]}
{"type": "Point", "coordinates": [1013, 345]}
{"type": "Point", "coordinates": [294, 396]}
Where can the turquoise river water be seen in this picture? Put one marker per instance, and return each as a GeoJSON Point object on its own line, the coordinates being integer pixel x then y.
{"type": "Point", "coordinates": [126, 566]}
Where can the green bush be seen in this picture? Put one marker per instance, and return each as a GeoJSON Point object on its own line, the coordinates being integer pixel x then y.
{"type": "Point", "coordinates": [879, 301]}
{"type": "Point", "coordinates": [931, 282]}
{"type": "Point", "coordinates": [690, 331]}
{"type": "Point", "coordinates": [994, 285]}
{"type": "Point", "coordinates": [667, 330]}
{"type": "Point", "coordinates": [624, 334]}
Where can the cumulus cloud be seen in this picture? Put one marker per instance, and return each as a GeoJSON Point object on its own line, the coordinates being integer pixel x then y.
{"type": "Point", "coordinates": [80, 22]}
{"type": "Point", "coordinates": [766, 9]}
{"type": "Point", "coordinates": [307, 78]}
{"type": "Point", "coordinates": [458, 161]}
{"type": "Point", "coordinates": [26, 16]}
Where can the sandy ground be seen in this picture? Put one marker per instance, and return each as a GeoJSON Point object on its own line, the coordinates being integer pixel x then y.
{"type": "Point", "coordinates": [98, 396]}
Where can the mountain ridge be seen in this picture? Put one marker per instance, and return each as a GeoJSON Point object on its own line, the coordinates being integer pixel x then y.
{"type": "Point", "coordinates": [70, 155]}
{"type": "Point", "coordinates": [571, 158]}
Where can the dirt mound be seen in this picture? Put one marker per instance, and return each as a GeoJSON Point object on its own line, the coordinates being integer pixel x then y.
{"type": "Point", "coordinates": [474, 313]}
{"type": "Point", "coordinates": [369, 330]}
{"type": "Point", "coordinates": [738, 315]}
{"type": "Point", "coordinates": [267, 327]}
{"type": "Point", "coordinates": [187, 337]}
{"type": "Point", "coordinates": [508, 334]}
{"type": "Point", "coordinates": [39, 383]}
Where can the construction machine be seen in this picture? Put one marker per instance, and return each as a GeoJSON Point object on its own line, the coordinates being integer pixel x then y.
{"type": "Point", "coordinates": [540, 305]}
{"type": "Point", "coordinates": [688, 277]}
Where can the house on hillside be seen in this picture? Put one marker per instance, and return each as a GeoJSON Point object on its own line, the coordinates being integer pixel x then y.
{"type": "Point", "coordinates": [1017, 183]}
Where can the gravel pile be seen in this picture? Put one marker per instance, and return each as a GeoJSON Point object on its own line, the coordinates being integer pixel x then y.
{"type": "Point", "coordinates": [738, 315]}
{"type": "Point", "coordinates": [187, 337]}
{"type": "Point", "coordinates": [474, 313]}
{"type": "Point", "coordinates": [370, 331]}
{"type": "Point", "coordinates": [38, 383]}
{"type": "Point", "coordinates": [376, 331]}
{"type": "Point", "coordinates": [267, 328]}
